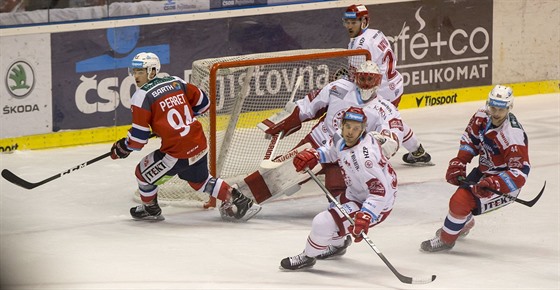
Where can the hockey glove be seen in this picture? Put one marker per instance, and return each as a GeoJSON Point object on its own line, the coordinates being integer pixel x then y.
{"type": "Point", "coordinates": [388, 142]}
{"type": "Point", "coordinates": [361, 225]}
{"type": "Point", "coordinates": [491, 182]}
{"type": "Point", "coordinates": [287, 121]}
{"type": "Point", "coordinates": [120, 150]}
{"type": "Point", "coordinates": [457, 169]}
{"type": "Point", "coordinates": [307, 158]}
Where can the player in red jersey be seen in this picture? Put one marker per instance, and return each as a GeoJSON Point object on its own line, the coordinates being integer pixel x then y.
{"type": "Point", "coordinates": [168, 107]}
{"type": "Point", "coordinates": [495, 135]}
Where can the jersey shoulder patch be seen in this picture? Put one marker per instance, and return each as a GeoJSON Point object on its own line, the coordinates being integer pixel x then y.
{"type": "Point", "coordinates": [513, 121]}
{"type": "Point", "coordinates": [339, 88]}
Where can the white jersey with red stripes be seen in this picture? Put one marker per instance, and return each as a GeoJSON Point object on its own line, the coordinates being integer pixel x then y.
{"type": "Point", "coordinates": [369, 177]}
{"type": "Point", "coordinates": [334, 99]}
{"type": "Point", "coordinates": [382, 54]}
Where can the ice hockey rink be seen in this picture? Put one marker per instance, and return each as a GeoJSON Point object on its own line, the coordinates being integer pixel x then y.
{"type": "Point", "coordinates": [75, 232]}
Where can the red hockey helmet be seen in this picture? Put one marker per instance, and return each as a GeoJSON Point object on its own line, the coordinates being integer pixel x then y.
{"type": "Point", "coordinates": [355, 114]}
{"type": "Point", "coordinates": [356, 11]}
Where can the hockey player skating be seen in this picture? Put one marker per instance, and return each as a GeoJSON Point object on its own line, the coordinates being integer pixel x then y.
{"type": "Point", "coordinates": [328, 105]}
{"type": "Point", "coordinates": [369, 198]}
{"type": "Point", "coordinates": [496, 136]}
{"type": "Point", "coordinates": [168, 106]}
{"type": "Point", "coordinates": [356, 22]}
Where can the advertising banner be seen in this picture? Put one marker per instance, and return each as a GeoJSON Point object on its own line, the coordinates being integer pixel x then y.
{"type": "Point", "coordinates": [217, 4]}
{"type": "Point", "coordinates": [438, 46]}
{"type": "Point", "coordinates": [25, 95]}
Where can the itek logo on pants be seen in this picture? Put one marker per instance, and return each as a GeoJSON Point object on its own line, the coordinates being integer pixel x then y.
{"type": "Point", "coordinates": [20, 79]}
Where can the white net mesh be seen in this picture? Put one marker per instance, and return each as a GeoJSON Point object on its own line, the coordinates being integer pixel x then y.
{"type": "Point", "coordinates": [241, 105]}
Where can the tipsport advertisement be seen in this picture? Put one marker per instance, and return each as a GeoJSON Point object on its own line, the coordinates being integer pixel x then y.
{"type": "Point", "coordinates": [438, 45]}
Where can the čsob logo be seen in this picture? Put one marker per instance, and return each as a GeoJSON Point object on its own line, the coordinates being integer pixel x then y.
{"type": "Point", "coordinates": [123, 41]}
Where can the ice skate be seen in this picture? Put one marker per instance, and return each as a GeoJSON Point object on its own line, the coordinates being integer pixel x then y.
{"type": "Point", "coordinates": [418, 158]}
{"type": "Point", "coordinates": [435, 245]}
{"type": "Point", "coordinates": [298, 262]}
{"type": "Point", "coordinates": [149, 212]}
{"type": "Point", "coordinates": [333, 251]}
{"type": "Point", "coordinates": [464, 232]}
{"type": "Point", "coordinates": [245, 208]}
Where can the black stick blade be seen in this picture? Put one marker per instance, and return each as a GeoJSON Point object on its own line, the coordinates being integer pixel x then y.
{"type": "Point", "coordinates": [11, 177]}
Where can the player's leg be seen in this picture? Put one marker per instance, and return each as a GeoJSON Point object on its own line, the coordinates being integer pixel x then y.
{"type": "Point", "coordinates": [199, 179]}
{"type": "Point", "coordinates": [461, 204]}
{"type": "Point", "coordinates": [416, 152]}
{"type": "Point", "coordinates": [152, 170]}
{"type": "Point", "coordinates": [326, 236]}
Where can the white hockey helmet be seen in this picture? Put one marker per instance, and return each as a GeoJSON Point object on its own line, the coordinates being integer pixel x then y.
{"type": "Point", "coordinates": [368, 78]}
{"type": "Point", "coordinates": [147, 60]}
{"type": "Point", "coordinates": [500, 97]}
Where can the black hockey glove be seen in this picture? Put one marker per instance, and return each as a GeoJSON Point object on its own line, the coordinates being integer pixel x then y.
{"type": "Point", "coordinates": [119, 149]}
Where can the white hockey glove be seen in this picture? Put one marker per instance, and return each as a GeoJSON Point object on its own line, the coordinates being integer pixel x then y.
{"type": "Point", "coordinates": [389, 145]}
{"type": "Point", "coordinates": [286, 121]}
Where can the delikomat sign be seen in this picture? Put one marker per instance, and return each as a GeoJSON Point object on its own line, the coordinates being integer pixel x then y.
{"type": "Point", "coordinates": [497, 103]}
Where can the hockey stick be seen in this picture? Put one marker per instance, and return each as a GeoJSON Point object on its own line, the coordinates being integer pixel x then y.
{"type": "Point", "coordinates": [401, 277]}
{"type": "Point", "coordinates": [11, 177]}
{"type": "Point", "coordinates": [267, 163]}
{"type": "Point", "coordinates": [529, 203]}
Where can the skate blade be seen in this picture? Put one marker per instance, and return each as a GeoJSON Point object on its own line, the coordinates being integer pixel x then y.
{"type": "Point", "coordinates": [419, 164]}
{"type": "Point", "coordinates": [296, 270]}
{"type": "Point", "coordinates": [254, 210]}
{"type": "Point", "coordinates": [150, 218]}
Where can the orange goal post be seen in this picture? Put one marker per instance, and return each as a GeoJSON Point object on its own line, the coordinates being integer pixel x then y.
{"type": "Point", "coordinates": [243, 91]}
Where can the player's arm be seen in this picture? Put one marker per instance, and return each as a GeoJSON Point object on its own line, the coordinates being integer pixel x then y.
{"type": "Point", "coordinates": [289, 120]}
{"type": "Point", "coordinates": [198, 100]}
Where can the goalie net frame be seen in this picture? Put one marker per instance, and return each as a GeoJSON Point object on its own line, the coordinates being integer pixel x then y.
{"type": "Point", "coordinates": [205, 75]}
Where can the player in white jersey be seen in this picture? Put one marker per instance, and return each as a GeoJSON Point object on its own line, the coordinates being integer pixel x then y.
{"type": "Point", "coordinates": [368, 199]}
{"type": "Point", "coordinates": [328, 105]}
{"type": "Point", "coordinates": [356, 22]}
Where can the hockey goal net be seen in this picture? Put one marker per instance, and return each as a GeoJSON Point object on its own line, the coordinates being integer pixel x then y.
{"type": "Point", "coordinates": [243, 91]}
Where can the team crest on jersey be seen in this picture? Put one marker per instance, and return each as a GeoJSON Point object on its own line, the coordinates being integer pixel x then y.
{"type": "Point", "coordinates": [368, 164]}
{"type": "Point", "coordinates": [396, 123]}
{"type": "Point", "coordinates": [375, 187]}
{"type": "Point", "coordinates": [515, 162]}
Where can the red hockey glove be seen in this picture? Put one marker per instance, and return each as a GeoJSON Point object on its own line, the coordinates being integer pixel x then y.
{"type": "Point", "coordinates": [286, 121]}
{"type": "Point", "coordinates": [361, 225]}
{"type": "Point", "coordinates": [457, 168]}
{"type": "Point", "coordinates": [120, 150]}
{"type": "Point", "coordinates": [491, 182]}
{"type": "Point", "coordinates": [307, 158]}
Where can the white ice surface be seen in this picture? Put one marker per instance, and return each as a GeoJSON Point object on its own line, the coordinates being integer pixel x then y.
{"type": "Point", "coordinates": [75, 232]}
